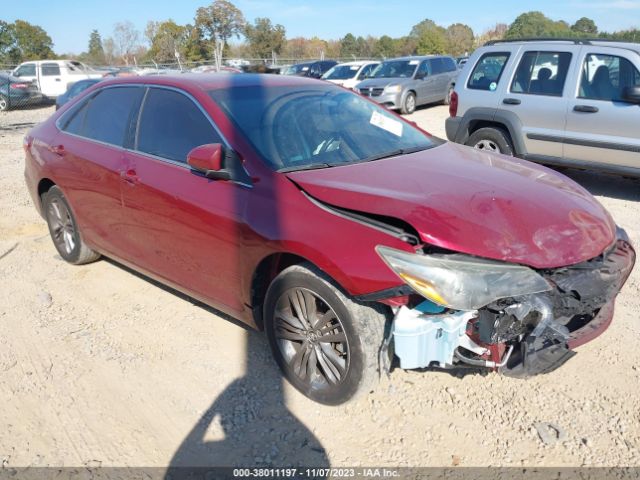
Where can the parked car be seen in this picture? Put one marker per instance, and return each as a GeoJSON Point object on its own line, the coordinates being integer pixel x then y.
{"type": "Point", "coordinates": [306, 210]}
{"type": "Point", "coordinates": [17, 93]}
{"type": "Point", "coordinates": [310, 69]}
{"type": "Point", "coordinates": [74, 90]}
{"type": "Point", "coordinates": [350, 74]}
{"type": "Point", "coordinates": [461, 61]}
{"type": "Point", "coordinates": [404, 83]}
{"type": "Point", "coordinates": [561, 102]}
{"type": "Point", "coordinates": [54, 76]}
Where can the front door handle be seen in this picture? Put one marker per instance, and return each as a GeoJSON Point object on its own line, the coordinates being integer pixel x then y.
{"type": "Point", "coordinates": [129, 176]}
{"type": "Point", "coordinates": [585, 109]}
{"type": "Point", "coordinates": [511, 101]}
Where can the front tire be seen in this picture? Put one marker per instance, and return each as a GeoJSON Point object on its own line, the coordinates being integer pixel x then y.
{"type": "Point", "coordinates": [63, 229]}
{"type": "Point", "coordinates": [491, 139]}
{"type": "Point", "coordinates": [326, 344]}
{"type": "Point", "coordinates": [409, 104]}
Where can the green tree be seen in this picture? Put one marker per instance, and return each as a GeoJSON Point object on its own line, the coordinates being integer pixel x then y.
{"type": "Point", "coordinates": [537, 25]}
{"type": "Point", "coordinates": [195, 48]}
{"type": "Point", "coordinates": [348, 45]}
{"type": "Point", "coordinates": [9, 53]}
{"type": "Point", "coordinates": [219, 22]}
{"type": "Point", "coordinates": [95, 53]}
{"type": "Point", "coordinates": [167, 38]}
{"type": "Point", "coordinates": [431, 38]}
{"type": "Point", "coordinates": [585, 26]}
{"type": "Point", "coordinates": [265, 38]}
{"type": "Point", "coordinates": [460, 39]}
{"type": "Point", "coordinates": [32, 42]}
{"type": "Point", "coordinates": [384, 47]}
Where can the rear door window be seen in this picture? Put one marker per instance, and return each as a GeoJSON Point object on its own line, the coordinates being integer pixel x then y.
{"type": "Point", "coordinates": [106, 116]}
{"type": "Point", "coordinates": [449, 64]}
{"type": "Point", "coordinates": [171, 125]}
{"type": "Point", "coordinates": [542, 73]}
{"type": "Point", "coordinates": [50, 69]}
{"type": "Point", "coordinates": [487, 72]}
{"type": "Point", "coordinates": [436, 66]}
{"type": "Point", "coordinates": [604, 77]}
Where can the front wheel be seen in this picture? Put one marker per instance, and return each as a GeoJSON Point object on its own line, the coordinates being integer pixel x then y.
{"type": "Point", "coordinates": [409, 104]}
{"type": "Point", "coordinates": [326, 344]}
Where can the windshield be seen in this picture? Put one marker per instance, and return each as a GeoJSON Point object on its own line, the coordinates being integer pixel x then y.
{"type": "Point", "coordinates": [317, 126]}
{"type": "Point", "coordinates": [342, 72]}
{"type": "Point", "coordinates": [395, 69]}
{"type": "Point", "coordinates": [295, 69]}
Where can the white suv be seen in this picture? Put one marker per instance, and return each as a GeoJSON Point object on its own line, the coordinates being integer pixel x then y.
{"type": "Point", "coordinates": [54, 76]}
{"type": "Point", "coordinates": [562, 102]}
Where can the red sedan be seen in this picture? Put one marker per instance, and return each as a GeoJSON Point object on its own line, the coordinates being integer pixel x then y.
{"type": "Point", "coordinates": [349, 235]}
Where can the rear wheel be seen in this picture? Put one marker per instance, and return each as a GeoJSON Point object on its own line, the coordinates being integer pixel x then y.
{"type": "Point", "coordinates": [491, 139]}
{"type": "Point", "coordinates": [4, 103]}
{"type": "Point", "coordinates": [326, 344]}
{"type": "Point", "coordinates": [63, 229]}
{"type": "Point", "coordinates": [409, 104]}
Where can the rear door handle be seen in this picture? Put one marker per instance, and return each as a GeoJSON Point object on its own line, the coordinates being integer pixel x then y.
{"type": "Point", "coordinates": [511, 101]}
{"type": "Point", "coordinates": [130, 176]}
{"type": "Point", "coordinates": [585, 109]}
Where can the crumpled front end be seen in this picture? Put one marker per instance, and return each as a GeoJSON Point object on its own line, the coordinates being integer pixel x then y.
{"type": "Point", "coordinates": [521, 335]}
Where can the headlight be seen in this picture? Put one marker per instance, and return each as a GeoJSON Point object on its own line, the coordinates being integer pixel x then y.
{"type": "Point", "coordinates": [462, 282]}
{"type": "Point", "coordinates": [393, 89]}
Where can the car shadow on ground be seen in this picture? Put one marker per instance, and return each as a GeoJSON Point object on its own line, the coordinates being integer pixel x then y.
{"type": "Point", "coordinates": [606, 185]}
{"type": "Point", "coordinates": [248, 424]}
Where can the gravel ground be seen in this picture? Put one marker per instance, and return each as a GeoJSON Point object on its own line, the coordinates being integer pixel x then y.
{"type": "Point", "coordinates": [99, 366]}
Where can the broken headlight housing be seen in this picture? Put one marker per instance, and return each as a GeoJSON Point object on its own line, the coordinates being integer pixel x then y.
{"type": "Point", "coordinates": [462, 282]}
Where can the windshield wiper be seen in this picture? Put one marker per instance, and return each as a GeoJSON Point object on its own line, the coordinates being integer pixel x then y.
{"type": "Point", "coordinates": [310, 166]}
{"type": "Point", "coordinates": [394, 153]}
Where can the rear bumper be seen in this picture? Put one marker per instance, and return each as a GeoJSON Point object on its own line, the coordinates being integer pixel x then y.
{"type": "Point", "coordinates": [451, 126]}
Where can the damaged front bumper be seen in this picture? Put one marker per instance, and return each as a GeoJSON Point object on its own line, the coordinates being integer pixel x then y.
{"type": "Point", "coordinates": [518, 336]}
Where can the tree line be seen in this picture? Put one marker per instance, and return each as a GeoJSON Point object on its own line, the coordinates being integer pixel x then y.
{"type": "Point", "coordinates": [214, 26]}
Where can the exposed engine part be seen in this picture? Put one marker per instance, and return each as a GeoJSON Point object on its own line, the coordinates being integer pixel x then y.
{"type": "Point", "coordinates": [478, 362]}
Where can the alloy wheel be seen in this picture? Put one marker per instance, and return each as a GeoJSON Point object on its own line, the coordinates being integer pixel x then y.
{"type": "Point", "coordinates": [311, 338]}
{"type": "Point", "coordinates": [487, 145]}
{"type": "Point", "coordinates": [3, 103]}
{"type": "Point", "coordinates": [62, 226]}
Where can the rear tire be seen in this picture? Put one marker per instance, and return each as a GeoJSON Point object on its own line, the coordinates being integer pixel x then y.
{"type": "Point", "coordinates": [63, 229]}
{"type": "Point", "coordinates": [326, 344]}
{"type": "Point", "coordinates": [408, 104]}
{"type": "Point", "coordinates": [491, 139]}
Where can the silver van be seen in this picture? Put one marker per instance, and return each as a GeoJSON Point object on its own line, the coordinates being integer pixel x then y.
{"type": "Point", "coordinates": [568, 102]}
{"type": "Point", "coordinates": [404, 83]}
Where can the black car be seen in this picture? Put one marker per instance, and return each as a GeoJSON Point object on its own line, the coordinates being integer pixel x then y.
{"type": "Point", "coordinates": [310, 69]}
{"type": "Point", "coordinates": [17, 93]}
{"type": "Point", "coordinates": [75, 89]}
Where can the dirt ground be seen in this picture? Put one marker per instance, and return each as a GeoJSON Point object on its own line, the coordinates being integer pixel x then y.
{"type": "Point", "coordinates": [99, 366]}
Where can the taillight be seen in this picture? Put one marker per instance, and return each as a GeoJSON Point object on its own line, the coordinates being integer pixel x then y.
{"type": "Point", "coordinates": [19, 85]}
{"type": "Point", "coordinates": [453, 104]}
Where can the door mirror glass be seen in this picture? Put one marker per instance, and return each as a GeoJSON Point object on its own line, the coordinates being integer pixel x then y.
{"type": "Point", "coordinates": [631, 94]}
{"type": "Point", "coordinates": [208, 159]}
{"type": "Point", "coordinates": [421, 75]}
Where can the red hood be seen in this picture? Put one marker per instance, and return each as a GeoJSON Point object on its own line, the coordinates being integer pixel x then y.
{"type": "Point", "coordinates": [474, 202]}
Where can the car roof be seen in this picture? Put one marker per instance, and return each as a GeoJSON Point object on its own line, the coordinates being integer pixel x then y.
{"type": "Point", "coordinates": [358, 63]}
{"type": "Point", "coordinates": [215, 81]}
{"type": "Point", "coordinates": [416, 57]}
{"type": "Point", "coordinates": [566, 41]}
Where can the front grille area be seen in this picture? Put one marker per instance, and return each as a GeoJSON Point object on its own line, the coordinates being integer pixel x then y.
{"type": "Point", "coordinates": [371, 91]}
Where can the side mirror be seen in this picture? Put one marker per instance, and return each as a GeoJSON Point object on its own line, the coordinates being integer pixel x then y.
{"type": "Point", "coordinates": [631, 94]}
{"type": "Point", "coordinates": [421, 75]}
{"type": "Point", "coordinates": [208, 160]}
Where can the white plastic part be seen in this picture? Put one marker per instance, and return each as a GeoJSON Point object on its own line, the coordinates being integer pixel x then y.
{"type": "Point", "coordinates": [421, 339]}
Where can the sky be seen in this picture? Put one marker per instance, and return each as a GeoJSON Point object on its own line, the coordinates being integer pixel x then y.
{"type": "Point", "coordinates": [69, 22]}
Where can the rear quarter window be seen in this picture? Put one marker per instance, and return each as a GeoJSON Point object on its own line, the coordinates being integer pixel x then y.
{"type": "Point", "coordinates": [487, 71]}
